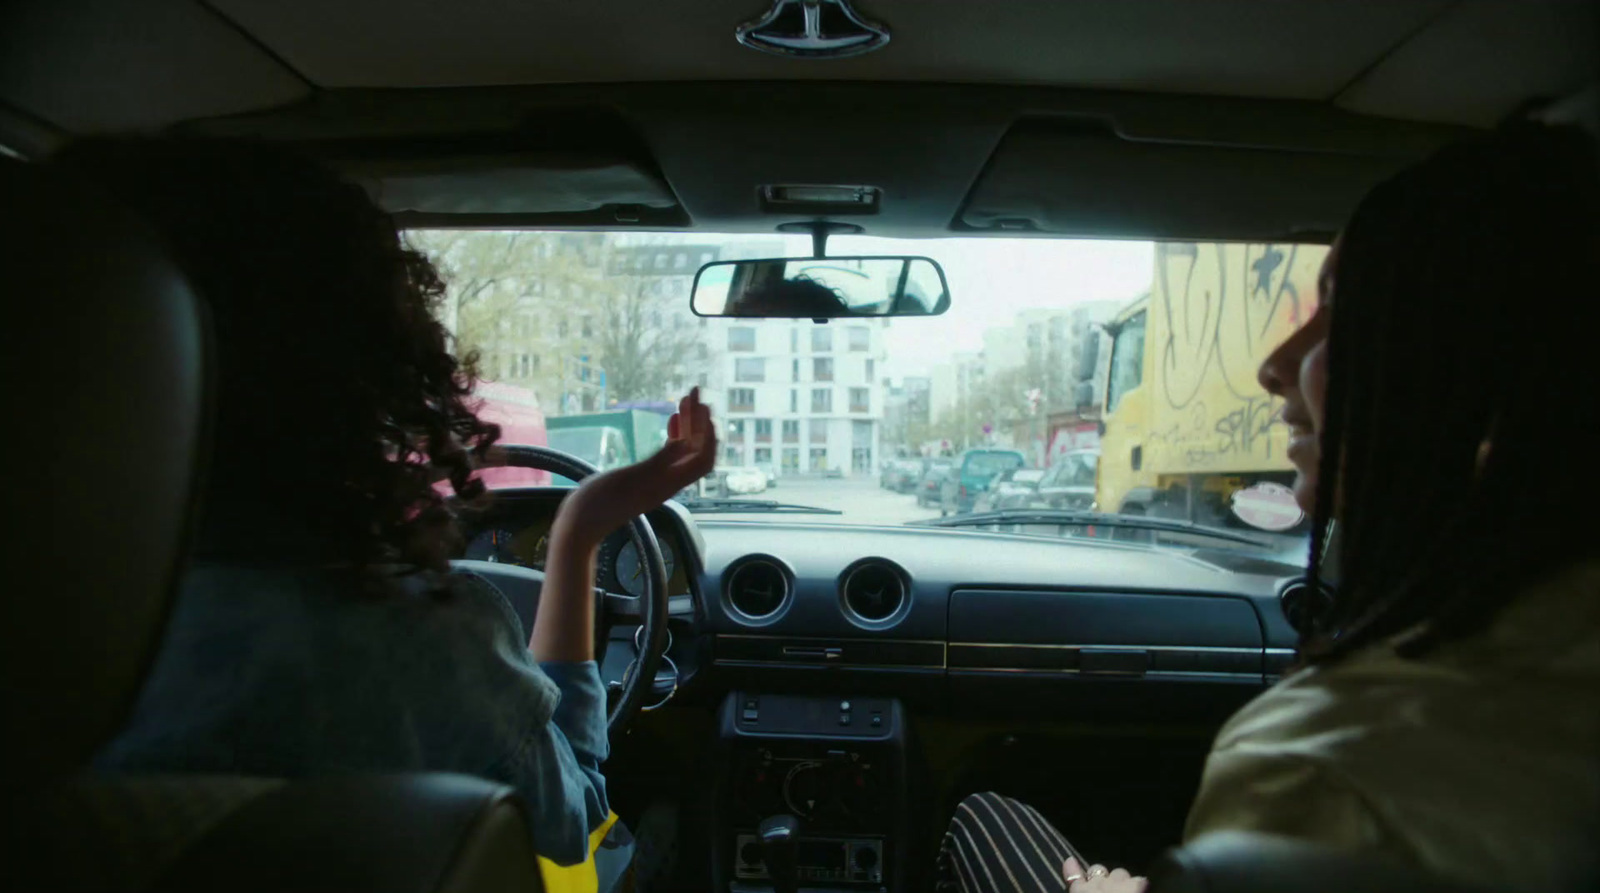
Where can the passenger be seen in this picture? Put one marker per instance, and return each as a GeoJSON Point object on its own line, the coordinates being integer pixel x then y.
{"type": "Point", "coordinates": [318, 629]}
{"type": "Point", "coordinates": [1445, 713]}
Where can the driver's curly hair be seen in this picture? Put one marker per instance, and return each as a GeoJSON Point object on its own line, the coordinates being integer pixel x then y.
{"type": "Point", "coordinates": [338, 403]}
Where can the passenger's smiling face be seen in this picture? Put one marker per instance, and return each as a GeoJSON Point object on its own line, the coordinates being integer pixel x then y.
{"type": "Point", "coordinates": [1298, 372]}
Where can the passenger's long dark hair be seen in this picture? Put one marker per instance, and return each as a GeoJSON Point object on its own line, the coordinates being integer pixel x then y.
{"type": "Point", "coordinates": [1462, 422]}
{"type": "Point", "coordinates": [338, 402]}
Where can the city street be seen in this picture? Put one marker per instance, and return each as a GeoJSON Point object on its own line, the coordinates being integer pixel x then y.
{"type": "Point", "coordinates": [864, 502]}
{"type": "Point", "coordinates": [860, 498]}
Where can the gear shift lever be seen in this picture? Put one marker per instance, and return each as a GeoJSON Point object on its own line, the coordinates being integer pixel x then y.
{"type": "Point", "coordinates": [780, 837]}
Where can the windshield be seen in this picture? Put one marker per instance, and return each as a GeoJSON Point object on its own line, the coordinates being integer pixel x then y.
{"type": "Point", "coordinates": [1123, 372]}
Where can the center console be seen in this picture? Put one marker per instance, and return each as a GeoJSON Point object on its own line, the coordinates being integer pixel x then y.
{"type": "Point", "coordinates": [831, 771]}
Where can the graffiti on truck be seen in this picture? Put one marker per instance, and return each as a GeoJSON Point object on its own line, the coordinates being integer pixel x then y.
{"type": "Point", "coordinates": [1219, 310]}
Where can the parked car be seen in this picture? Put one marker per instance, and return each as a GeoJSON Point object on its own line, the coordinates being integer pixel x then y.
{"type": "Point", "coordinates": [1011, 489]}
{"type": "Point", "coordinates": [928, 486]}
{"type": "Point", "coordinates": [1069, 483]}
{"type": "Point", "coordinates": [771, 471]}
{"type": "Point", "coordinates": [743, 480]}
{"type": "Point", "coordinates": [900, 475]}
{"type": "Point", "coordinates": [971, 476]}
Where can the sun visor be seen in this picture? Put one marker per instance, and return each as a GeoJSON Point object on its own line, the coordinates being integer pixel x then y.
{"type": "Point", "coordinates": [1048, 177]}
{"type": "Point", "coordinates": [515, 186]}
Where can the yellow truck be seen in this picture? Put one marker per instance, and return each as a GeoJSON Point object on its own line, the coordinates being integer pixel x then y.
{"type": "Point", "coordinates": [1188, 432]}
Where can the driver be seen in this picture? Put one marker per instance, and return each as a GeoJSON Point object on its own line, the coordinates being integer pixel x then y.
{"type": "Point", "coordinates": [801, 297]}
{"type": "Point", "coordinates": [318, 628]}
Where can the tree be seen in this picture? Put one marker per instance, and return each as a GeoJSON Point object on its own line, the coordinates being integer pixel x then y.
{"type": "Point", "coordinates": [511, 294]}
{"type": "Point", "coordinates": [645, 347]}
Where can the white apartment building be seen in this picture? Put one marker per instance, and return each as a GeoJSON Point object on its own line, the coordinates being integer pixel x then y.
{"type": "Point", "coordinates": [807, 398]}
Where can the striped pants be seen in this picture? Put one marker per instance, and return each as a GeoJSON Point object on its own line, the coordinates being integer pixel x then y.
{"type": "Point", "coordinates": [999, 845]}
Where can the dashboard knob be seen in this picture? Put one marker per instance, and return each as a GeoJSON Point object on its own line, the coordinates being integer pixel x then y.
{"type": "Point", "coordinates": [866, 858]}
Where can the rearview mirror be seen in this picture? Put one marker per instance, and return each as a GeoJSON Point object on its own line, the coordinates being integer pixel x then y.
{"type": "Point", "coordinates": [821, 288]}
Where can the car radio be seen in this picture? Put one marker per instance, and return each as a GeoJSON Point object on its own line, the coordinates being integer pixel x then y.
{"type": "Point", "coordinates": [833, 859]}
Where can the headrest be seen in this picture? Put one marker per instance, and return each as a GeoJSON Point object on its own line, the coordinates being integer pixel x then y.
{"type": "Point", "coordinates": [103, 380]}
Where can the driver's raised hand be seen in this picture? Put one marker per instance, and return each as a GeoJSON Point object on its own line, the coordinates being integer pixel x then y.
{"type": "Point", "coordinates": [605, 502]}
{"type": "Point", "coordinates": [562, 628]}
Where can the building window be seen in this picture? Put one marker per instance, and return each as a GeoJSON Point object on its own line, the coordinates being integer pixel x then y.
{"type": "Point", "coordinates": [858, 400]}
{"type": "Point", "coordinates": [822, 369]}
{"type": "Point", "coordinates": [791, 460]}
{"type": "Point", "coordinates": [819, 431]}
{"type": "Point", "coordinates": [536, 362]}
{"type": "Point", "coordinates": [763, 430]}
{"type": "Point", "coordinates": [742, 338]}
{"type": "Point", "coordinates": [741, 400]}
{"type": "Point", "coordinates": [794, 370]}
{"type": "Point", "coordinates": [561, 329]}
{"type": "Point", "coordinates": [791, 431]}
{"type": "Point", "coordinates": [680, 261]}
{"type": "Point", "coordinates": [860, 337]}
{"type": "Point", "coordinates": [749, 369]}
{"type": "Point", "coordinates": [705, 258]}
{"type": "Point", "coordinates": [701, 351]}
{"type": "Point", "coordinates": [732, 455]}
{"type": "Point", "coordinates": [763, 455]}
{"type": "Point", "coordinates": [588, 327]}
{"type": "Point", "coordinates": [871, 367]}
{"type": "Point", "coordinates": [822, 399]}
{"type": "Point", "coordinates": [736, 430]}
{"type": "Point", "coordinates": [527, 365]}
{"type": "Point", "coordinates": [794, 399]}
{"type": "Point", "coordinates": [661, 261]}
{"type": "Point", "coordinates": [819, 458]}
{"type": "Point", "coordinates": [821, 339]}
{"type": "Point", "coordinates": [794, 340]}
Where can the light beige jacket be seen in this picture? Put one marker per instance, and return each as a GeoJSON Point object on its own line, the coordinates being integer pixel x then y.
{"type": "Point", "coordinates": [1481, 760]}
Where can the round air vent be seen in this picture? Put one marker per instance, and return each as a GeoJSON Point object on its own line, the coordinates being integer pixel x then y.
{"type": "Point", "coordinates": [757, 588]}
{"type": "Point", "coordinates": [1303, 605]}
{"type": "Point", "coordinates": [875, 593]}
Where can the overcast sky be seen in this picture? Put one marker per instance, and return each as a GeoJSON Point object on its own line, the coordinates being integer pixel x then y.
{"type": "Point", "coordinates": [992, 279]}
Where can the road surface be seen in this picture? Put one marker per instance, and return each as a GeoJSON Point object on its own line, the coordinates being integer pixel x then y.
{"type": "Point", "coordinates": [860, 498]}
{"type": "Point", "coordinates": [863, 502]}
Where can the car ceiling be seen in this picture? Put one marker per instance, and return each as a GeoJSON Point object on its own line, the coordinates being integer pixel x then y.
{"type": "Point", "coordinates": [1150, 118]}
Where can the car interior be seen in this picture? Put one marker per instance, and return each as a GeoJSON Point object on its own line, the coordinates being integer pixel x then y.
{"type": "Point", "coordinates": [861, 679]}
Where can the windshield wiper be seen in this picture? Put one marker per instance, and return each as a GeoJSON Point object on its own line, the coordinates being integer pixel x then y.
{"type": "Point", "coordinates": [1080, 518]}
{"type": "Point", "coordinates": [736, 506]}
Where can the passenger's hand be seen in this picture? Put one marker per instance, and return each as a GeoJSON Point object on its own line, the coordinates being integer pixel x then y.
{"type": "Point", "coordinates": [605, 502]}
{"type": "Point", "coordinates": [1096, 879]}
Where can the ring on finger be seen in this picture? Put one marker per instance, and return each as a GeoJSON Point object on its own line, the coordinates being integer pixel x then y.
{"type": "Point", "coordinates": [1098, 871]}
{"type": "Point", "coordinates": [1071, 878]}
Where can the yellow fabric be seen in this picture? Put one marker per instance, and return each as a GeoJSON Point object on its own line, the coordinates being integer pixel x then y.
{"type": "Point", "coordinates": [579, 878]}
{"type": "Point", "coordinates": [1480, 761]}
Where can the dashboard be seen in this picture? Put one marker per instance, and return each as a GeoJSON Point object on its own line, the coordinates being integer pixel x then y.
{"type": "Point", "coordinates": [951, 620]}
{"type": "Point", "coordinates": [516, 530]}
{"type": "Point", "coordinates": [809, 661]}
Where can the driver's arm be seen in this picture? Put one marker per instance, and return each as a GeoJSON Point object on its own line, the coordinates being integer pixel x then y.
{"type": "Point", "coordinates": [562, 629]}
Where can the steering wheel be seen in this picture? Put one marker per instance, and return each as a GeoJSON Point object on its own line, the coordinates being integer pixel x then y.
{"type": "Point", "coordinates": [522, 586]}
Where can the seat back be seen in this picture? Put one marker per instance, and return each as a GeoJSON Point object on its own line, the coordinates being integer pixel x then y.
{"type": "Point", "coordinates": [103, 365]}
{"type": "Point", "coordinates": [105, 359]}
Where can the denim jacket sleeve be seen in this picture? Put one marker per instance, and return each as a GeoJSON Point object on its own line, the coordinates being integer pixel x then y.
{"type": "Point", "coordinates": [555, 764]}
{"type": "Point", "coordinates": [557, 767]}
